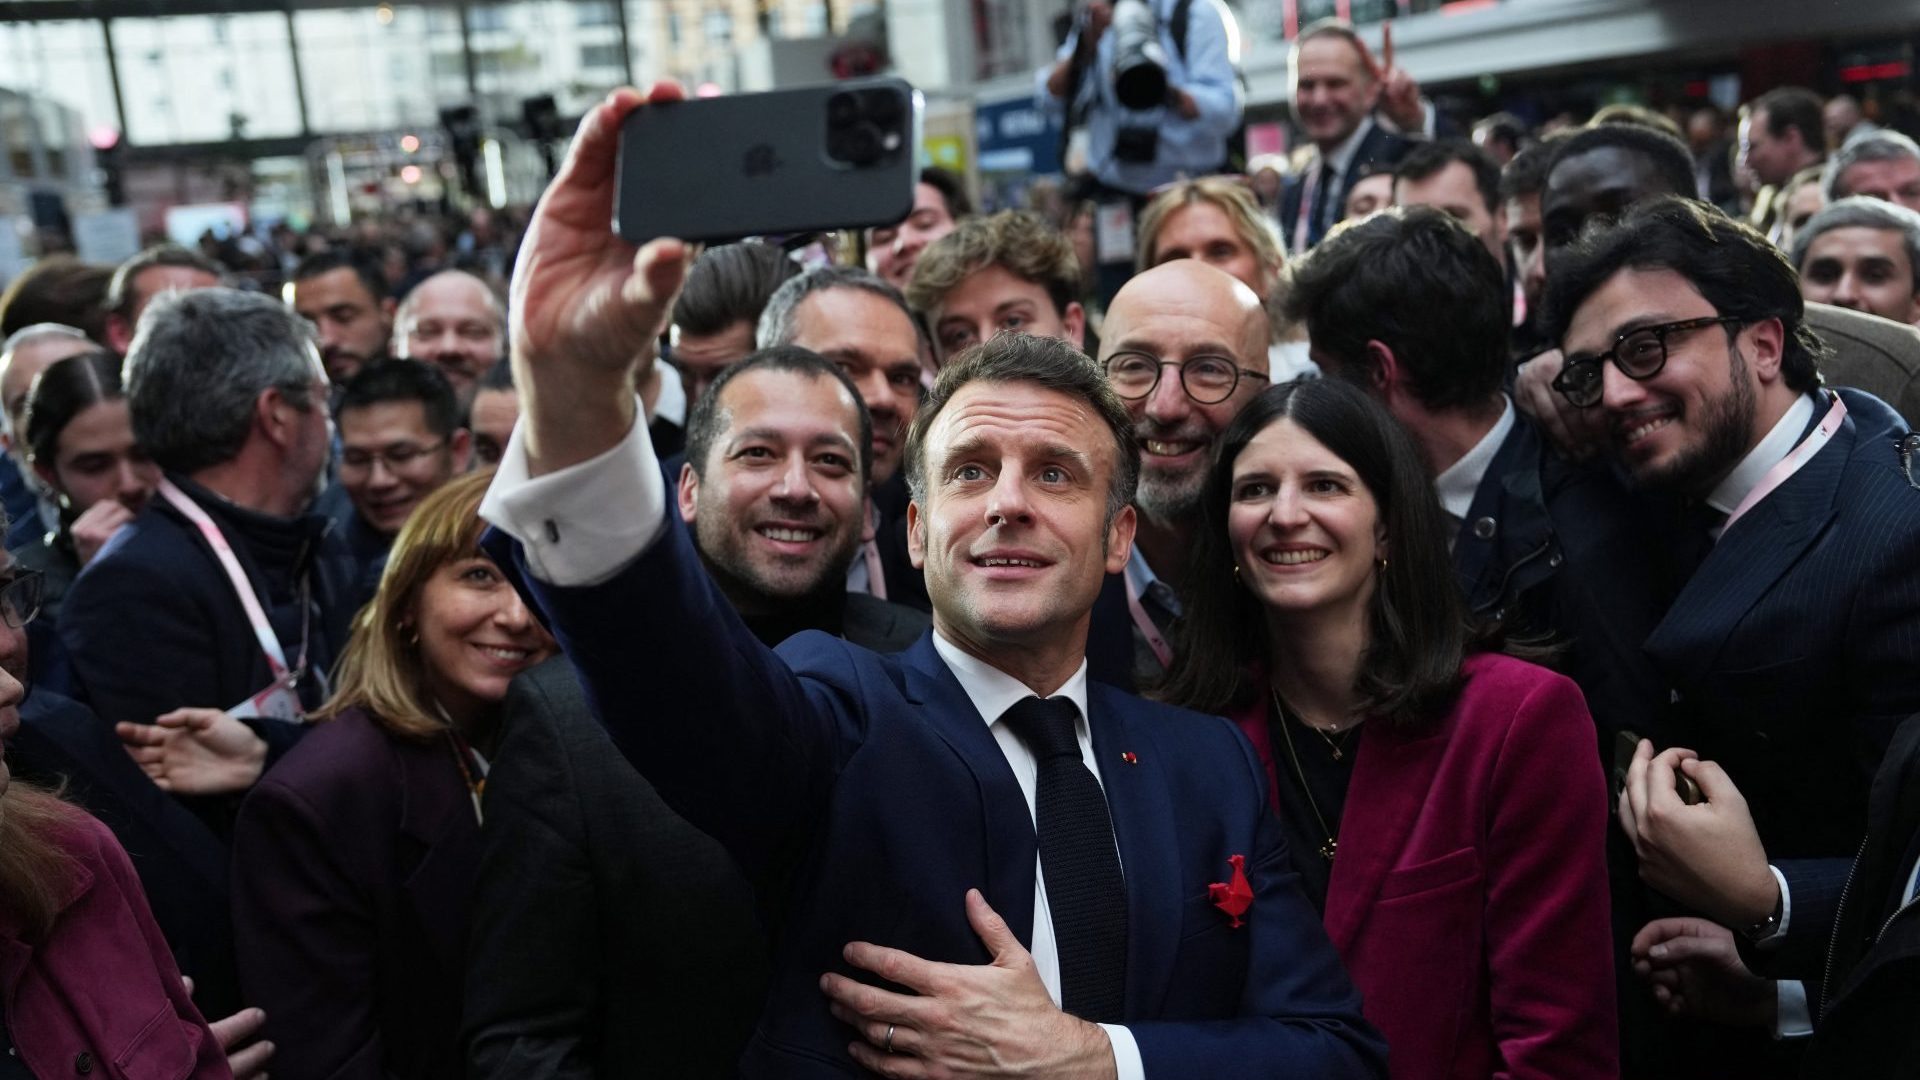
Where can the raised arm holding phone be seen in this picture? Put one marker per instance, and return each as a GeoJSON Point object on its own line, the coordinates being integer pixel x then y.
{"type": "Point", "coordinates": [921, 814]}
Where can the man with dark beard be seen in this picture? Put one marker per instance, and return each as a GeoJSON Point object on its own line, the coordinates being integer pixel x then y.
{"type": "Point", "coordinates": [1185, 347]}
{"type": "Point", "coordinates": [594, 896]}
{"type": "Point", "coordinates": [1790, 643]}
{"type": "Point", "coordinates": [774, 487]}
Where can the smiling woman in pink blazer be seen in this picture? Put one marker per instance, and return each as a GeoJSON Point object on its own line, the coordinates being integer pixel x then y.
{"type": "Point", "coordinates": [1443, 803]}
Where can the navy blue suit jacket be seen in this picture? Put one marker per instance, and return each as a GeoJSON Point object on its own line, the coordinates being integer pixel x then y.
{"type": "Point", "coordinates": [1794, 651]}
{"type": "Point", "coordinates": [1380, 149]}
{"type": "Point", "coordinates": [867, 794]}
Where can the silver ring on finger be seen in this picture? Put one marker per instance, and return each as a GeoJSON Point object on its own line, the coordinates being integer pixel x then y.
{"type": "Point", "coordinates": [888, 1045]}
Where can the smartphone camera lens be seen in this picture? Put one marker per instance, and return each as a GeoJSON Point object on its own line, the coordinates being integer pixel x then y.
{"type": "Point", "coordinates": [842, 110]}
{"type": "Point", "coordinates": [864, 126]}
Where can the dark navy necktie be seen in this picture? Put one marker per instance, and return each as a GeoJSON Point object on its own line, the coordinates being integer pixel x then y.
{"type": "Point", "coordinates": [1085, 891]}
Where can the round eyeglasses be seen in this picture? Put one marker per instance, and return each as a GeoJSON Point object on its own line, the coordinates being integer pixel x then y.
{"type": "Point", "coordinates": [20, 595]}
{"type": "Point", "coordinates": [1208, 380]}
{"type": "Point", "coordinates": [1639, 353]}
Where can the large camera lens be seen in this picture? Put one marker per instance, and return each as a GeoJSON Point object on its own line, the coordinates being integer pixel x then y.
{"type": "Point", "coordinates": [842, 110]}
{"type": "Point", "coordinates": [860, 144]}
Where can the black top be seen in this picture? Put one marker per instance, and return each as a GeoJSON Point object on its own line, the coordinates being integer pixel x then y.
{"type": "Point", "coordinates": [11, 1067]}
{"type": "Point", "coordinates": [1327, 780]}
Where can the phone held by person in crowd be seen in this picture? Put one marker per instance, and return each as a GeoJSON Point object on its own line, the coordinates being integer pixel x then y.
{"type": "Point", "coordinates": [1624, 745]}
{"type": "Point", "coordinates": [839, 156]}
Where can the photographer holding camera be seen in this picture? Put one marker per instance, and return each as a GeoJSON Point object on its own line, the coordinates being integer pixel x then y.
{"type": "Point", "coordinates": [1154, 84]}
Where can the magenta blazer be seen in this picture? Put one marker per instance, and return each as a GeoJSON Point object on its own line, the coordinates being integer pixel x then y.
{"type": "Point", "coordinates": [1469, 899]}
{"type": "Point", "coordinates": [101, 996]}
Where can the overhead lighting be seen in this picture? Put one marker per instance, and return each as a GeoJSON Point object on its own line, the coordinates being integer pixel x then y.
{"type": "Point", "coordinates": [410, 143]}
{"type": "Point", "coordinates": [384, 14]}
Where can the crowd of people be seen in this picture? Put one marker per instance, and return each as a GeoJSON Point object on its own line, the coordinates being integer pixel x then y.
{"type": "Point", "coordinates": [1452, 613]}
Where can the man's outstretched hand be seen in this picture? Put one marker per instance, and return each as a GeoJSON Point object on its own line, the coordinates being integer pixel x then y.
{"type": "Point", "coordinates": [585, 304]}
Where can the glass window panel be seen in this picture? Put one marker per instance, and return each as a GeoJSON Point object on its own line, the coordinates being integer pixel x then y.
{"type": "Point", "coordinates": [361, 74]}
{"type": "Point", "coordinates": [204, 78]}
{"type": "Point", "coordinates": [64, 62]}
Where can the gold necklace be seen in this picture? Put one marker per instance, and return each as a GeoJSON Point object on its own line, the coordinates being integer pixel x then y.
{"type": "Point", "coordinates": [1332, 845]}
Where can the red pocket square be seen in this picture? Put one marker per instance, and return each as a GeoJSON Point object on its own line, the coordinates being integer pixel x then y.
{"type": "Point", "coordinates": [1236, 896]}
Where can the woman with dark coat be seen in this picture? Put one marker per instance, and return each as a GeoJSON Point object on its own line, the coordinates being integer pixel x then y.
{"type": "Point", "coordinates": [355, 856]}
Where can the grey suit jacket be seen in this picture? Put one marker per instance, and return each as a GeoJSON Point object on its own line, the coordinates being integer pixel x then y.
{"type": "Point", "coordinates": [1873, 354]}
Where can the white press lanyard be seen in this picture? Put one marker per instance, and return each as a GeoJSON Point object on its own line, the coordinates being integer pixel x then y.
{"type": "Point", "coordinates": [279, 700]}
{"type": "Point", "coordinates": [1793, 462]}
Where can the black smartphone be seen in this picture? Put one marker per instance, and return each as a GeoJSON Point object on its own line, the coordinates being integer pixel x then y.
{"type": "Point", "coordinates": [1625, 744]}
{"type": "Point", "coordinates": [813, 158]}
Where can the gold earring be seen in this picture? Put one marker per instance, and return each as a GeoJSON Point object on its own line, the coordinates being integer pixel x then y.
{"type": "Point", "coordinates": [1380, 565]}
{"type": "Point", "coordinates": [1236, 573]}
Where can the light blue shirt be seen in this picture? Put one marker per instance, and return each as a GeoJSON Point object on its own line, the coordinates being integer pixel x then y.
{"type": "Point", "coordinates": [1187, 147]}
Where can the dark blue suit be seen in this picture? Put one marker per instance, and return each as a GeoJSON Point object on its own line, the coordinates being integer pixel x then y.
{"type": "Point", "coordinates": [1379, 149]}
{"type": "Point", "coordinates": [867, 794]}
{"type": "Point", "coordinates": [1794, 650]}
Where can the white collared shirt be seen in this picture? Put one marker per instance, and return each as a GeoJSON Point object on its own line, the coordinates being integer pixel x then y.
{"type": "Point", "coordinates": [1768, 452]}
{"type": "Point", "coordinates": [671, 404]}
{"type": "Point", "coordinates": [583, 524]}
{"type": "Point", "coordinates": [1458, 483]}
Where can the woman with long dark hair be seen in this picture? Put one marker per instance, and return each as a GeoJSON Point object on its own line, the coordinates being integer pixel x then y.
{"type": "Point", "coordinates": [79, 439]}
{"type": "Point", "coordinates": [1443, 803]}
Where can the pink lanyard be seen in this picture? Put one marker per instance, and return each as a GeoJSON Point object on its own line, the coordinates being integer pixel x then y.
{"type": "Point", "coordinates": [1792, 463]}
{"type": "Point", "coordinates": [278, 700]}
{"type": "Point", "coordinates": [1155, 639]}
{"type": "Point", "coordinates": [870, 551]}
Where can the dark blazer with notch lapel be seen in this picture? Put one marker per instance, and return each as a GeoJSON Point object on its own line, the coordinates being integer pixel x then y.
{"type": "Point", "coordinates": [355, 859]}
{"type": "Point", "coordinates": [1379, 147]}
{"type": "Point", "coordinates": [869, 792]}
{"type": "Point", "coordinates": [1557, 550]}
{"type": "Point", "coordinates": [1862, 931]}
{"type": "Point", "coordinates": [1471, 873]}
{"type": "Point", "coordinates": [1794, 650]}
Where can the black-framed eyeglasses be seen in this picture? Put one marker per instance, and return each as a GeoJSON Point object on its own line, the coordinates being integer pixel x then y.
{"type": "Point", "coordinates": [20, 597]}
{"type": "Point", "coordinates": [1208, 380]}
{"type": "Point", "coordinates": [396, 457]}
{"type": "Point", "coordinates": [1639, 353]}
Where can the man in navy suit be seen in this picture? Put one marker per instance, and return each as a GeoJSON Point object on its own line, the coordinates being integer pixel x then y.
{"type": "Point", "coordinates": [1790, 642]}
{"type": "Point", "coordinates": [1336, 87]}
{"type": "Point", "coordinates": [956, 842]}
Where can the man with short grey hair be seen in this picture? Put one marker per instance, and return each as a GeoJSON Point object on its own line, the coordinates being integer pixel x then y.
{"type": "Point", "coordinates": [27, 353]}
{"type": "Point", "coordinates": [1862, 254]}
{"type": "Point", "coordinates": [864, 326]}
{"type": "Point", "coordinates": [1884, 165]}
{"type": "Point", "coordinates": [225, 600]}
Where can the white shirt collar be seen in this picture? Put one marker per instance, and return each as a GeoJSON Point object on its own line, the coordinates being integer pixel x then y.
{"type": "Point", "coordinates": [671, 405]}
{"type": "Point", "coordinates": [1456, 486]}
{"type": "Point", "coordinates": [1770, 451]}
{"type": "Point", "coordinates": [993, 691]}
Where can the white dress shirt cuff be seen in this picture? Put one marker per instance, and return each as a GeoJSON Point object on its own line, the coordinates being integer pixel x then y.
{"type": "Point", "coordinates": [1786, 913]}
{"type": "Point", "coordinates": [582, 524]}
{"type": "Point", "coordinates": [1126, 1053]}
{"type": "Point", "coordinates": [1794, 1020]}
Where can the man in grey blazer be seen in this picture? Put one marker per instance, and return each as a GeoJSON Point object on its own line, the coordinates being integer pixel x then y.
{"type": "Point", "coordinates": [610, 937]}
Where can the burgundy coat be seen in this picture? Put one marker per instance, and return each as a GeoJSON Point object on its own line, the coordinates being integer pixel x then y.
{"type": "Point", "coordinates": [1469, 898]}
{"type": "Point", "coordinates": [100, 995]}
